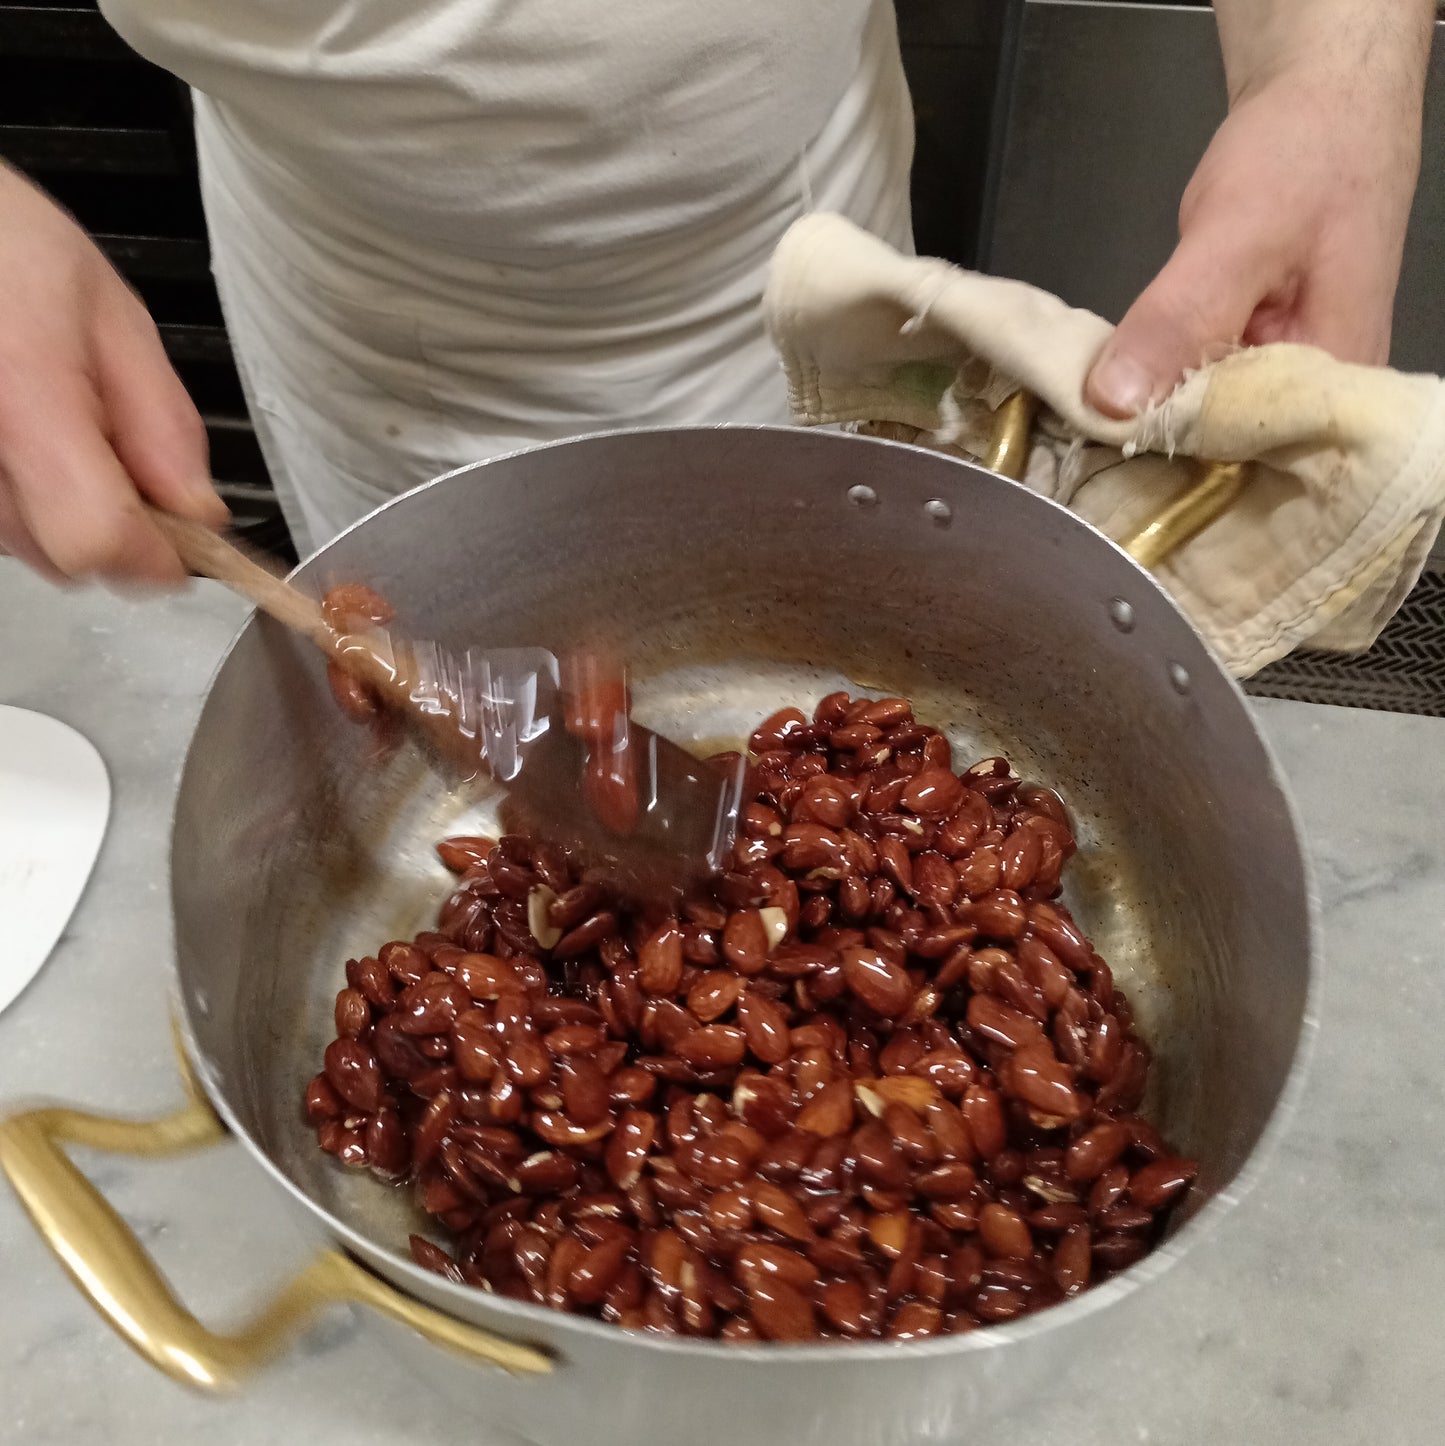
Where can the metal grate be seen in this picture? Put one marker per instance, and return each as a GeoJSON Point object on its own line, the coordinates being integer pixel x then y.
{"type": "Point", "coordinates": [1403, 673]}
{"type": "Point", "coordinates": [109, 136]}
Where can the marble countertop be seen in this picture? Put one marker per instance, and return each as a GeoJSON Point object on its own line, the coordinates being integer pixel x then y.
{"type": "Point", "coordinates": [1315, 1314]}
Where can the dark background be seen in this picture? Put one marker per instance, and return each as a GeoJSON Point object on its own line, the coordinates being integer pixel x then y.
{"type": "Point", "coordinates": [110, 136]}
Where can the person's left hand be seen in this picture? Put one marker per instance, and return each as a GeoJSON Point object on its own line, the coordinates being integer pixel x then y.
{"type": "Point", "coordinates": [1291, 229]}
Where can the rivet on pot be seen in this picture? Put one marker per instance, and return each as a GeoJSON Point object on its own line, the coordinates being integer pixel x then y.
{"type": "Point", "coordinates": [939, 511]}
{"type": "Point", "coordinates": [862, 496]}
{"type": "Point", "coordinates": [1179, 677]}
{"type": "Point", "coordinates": [1121, 615]}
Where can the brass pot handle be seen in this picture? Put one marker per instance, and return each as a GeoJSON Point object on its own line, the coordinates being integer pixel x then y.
{"type": "Point", "coordinates": [103, 1257]}
{"type": "Point", "coordinates": [1187, 516]}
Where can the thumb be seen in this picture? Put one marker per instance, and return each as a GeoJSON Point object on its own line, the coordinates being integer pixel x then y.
{"type": "Point", "coordinates": [1200, 303]}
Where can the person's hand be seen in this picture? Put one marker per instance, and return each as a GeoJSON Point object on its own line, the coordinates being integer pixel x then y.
{"type": "Point", "coordinates": [1290, 230]}
{"type": "Point", "coordinates": [92, 418]}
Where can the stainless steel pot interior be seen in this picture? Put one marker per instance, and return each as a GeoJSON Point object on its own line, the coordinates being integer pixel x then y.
{"type": "Point", "coordinates": [744, 568]}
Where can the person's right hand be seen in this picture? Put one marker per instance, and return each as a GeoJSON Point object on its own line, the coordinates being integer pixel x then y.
{"type": "Point", "coordinates": [92, 418]}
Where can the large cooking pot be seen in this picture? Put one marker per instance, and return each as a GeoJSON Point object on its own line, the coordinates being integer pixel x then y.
{"type": "Point", "coordinates": [741, 569]}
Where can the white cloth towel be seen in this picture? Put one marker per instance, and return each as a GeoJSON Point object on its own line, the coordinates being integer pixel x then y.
{"type": "Point", "coordinates": [1338, 514]}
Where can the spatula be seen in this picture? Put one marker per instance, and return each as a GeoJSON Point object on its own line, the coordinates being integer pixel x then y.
{"type": "Point", "coordinates": [557, 733]}
{"type": "Point", "coordinates": [54, 804]}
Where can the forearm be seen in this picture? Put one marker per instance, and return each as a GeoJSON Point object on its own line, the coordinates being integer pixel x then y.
{"type": "Point", "coordinates": [1382, 46]}
{"type": "Point", "coordinates": [1294, 223]}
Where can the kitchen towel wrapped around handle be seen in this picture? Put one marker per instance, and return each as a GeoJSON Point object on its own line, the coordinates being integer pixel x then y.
{"type": "Point", "coordinates": [1345, 490]}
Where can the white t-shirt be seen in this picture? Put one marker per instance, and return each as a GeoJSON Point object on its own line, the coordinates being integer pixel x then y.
{"type": "Point", "coordinates": [442, 229]}
{"type": "Point", "coordinates": [502, 126]}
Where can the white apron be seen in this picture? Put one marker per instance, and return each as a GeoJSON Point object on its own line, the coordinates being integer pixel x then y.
{"type": "Point", "coordinates": [442, 229]}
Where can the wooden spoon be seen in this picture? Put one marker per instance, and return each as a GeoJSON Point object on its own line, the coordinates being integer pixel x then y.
{"type": "Point", "coordinates": [501, 711]}
{"type": "Point", "coordinates": [370, 657]}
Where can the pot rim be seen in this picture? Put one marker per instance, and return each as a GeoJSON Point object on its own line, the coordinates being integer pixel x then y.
{"type": "Point", "coordinates": [522, 1318]}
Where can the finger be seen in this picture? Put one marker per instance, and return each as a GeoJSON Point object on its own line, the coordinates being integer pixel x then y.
{"type": "Point", "coordinates": [74, 498]}
{"type": "Point", "coordinates": [1345, 311]}
{"type": "Point", "coordinates": [1335, 314]}
{"type": "Point", "coordinates": [152, 423]}
{"type": "Point", "coordinates": [1197, 307]}
{"type": "Point", "coordinates": [16, 541]}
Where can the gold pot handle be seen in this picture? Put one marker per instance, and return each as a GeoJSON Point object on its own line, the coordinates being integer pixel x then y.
{"type": "Point", "coordinates": [1187, 516]}
{"type": "Point", "coordinates": [111, 1267]}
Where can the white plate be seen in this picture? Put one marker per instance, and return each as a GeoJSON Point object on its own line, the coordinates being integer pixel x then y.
{"type": "Point", "coordinates": [54, 803]}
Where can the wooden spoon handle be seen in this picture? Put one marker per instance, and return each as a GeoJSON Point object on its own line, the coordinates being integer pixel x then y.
{"type": "Point", "coordinates": [210, 554]}
{"type": "Point", "coordinates": [386, 664]}
{"type": "Point", "coordinates": [213, 555]}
